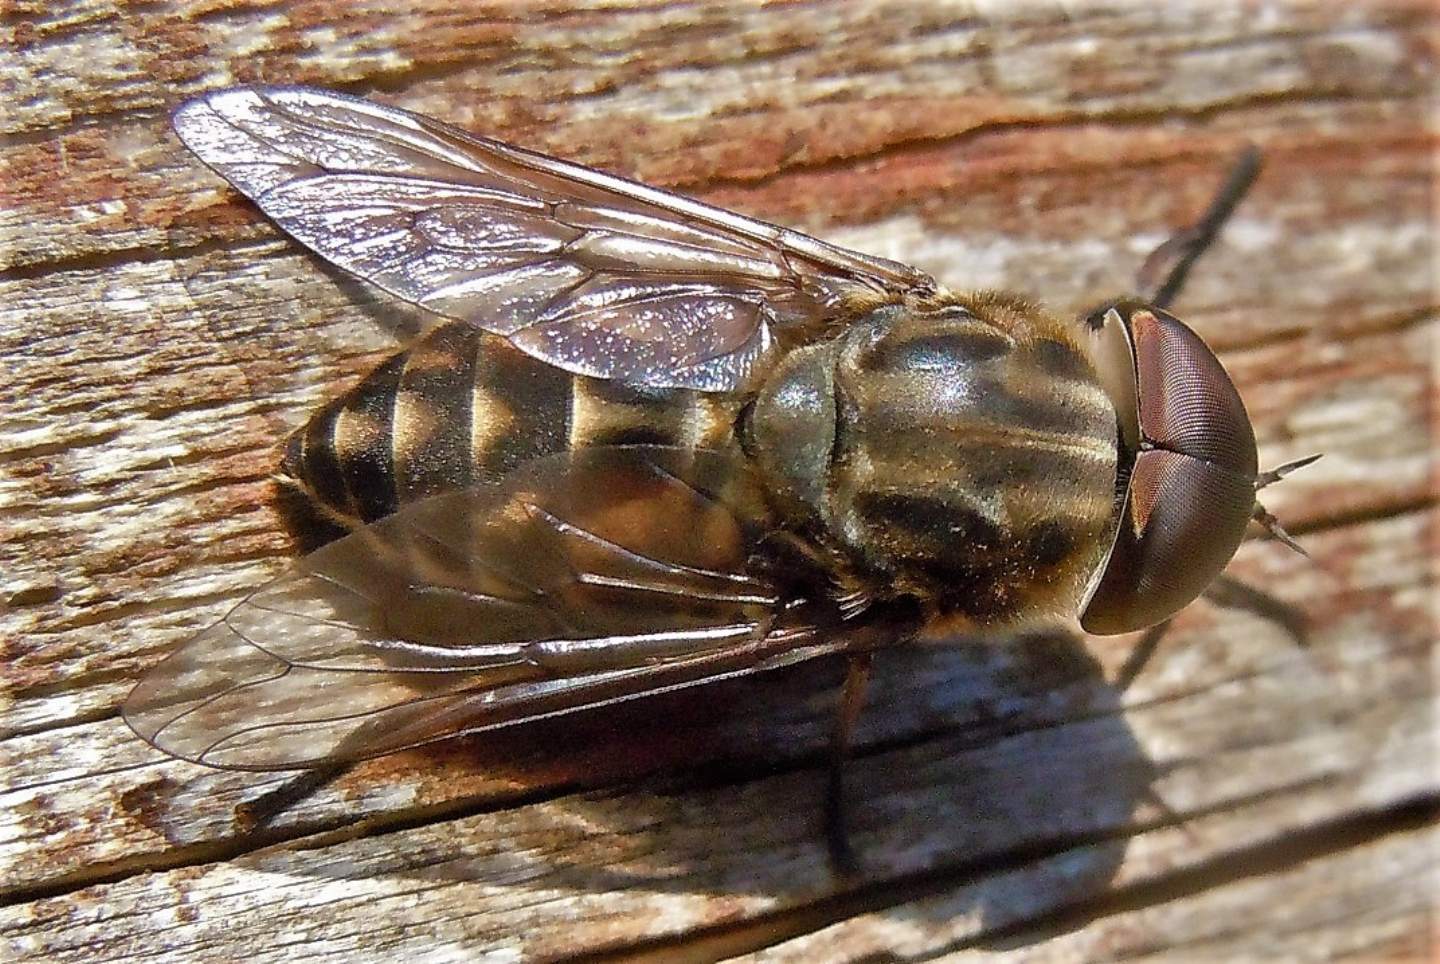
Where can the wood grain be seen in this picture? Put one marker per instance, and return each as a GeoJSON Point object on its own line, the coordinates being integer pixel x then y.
{"type": "Point", "coordinates": [1244, 797]}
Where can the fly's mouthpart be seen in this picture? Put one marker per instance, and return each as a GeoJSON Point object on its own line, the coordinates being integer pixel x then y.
{"type": "Point", "coordinates": [1262, 516]}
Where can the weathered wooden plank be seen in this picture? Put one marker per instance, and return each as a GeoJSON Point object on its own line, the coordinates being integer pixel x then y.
{"type": "Point", "coordinates": [158, 339]}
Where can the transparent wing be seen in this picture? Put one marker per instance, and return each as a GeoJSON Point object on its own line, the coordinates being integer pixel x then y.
{"type": "Point", "coordinates": [593, 273]}
{"type": "Point", "coordinates": [583, 579]}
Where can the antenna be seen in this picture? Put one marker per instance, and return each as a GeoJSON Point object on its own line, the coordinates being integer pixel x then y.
{"type": "Point", "coordinates": [1262, 516]}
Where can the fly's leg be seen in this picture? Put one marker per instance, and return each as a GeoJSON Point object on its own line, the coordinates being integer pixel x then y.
{"type": "Point", "coordinates": [1140, 656]}
{"type": "Point", "coordinates": [852, 700]}
{"type": "Point", "coordinates": [1185, 248]}
{"type": "Point", "coordinates": [258, 813]}
{"type": "Point", "coordinates": [1231, 593]}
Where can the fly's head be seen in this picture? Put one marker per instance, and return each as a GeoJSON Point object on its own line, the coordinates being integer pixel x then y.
{"type": "Point", "coordinates": [1188, 478]}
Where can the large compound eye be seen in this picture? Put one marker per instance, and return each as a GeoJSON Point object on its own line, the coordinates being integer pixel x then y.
{"type": "Point", "coordinates": [1192, 487]}
{"type": "Point", "coordinates": [1187, 402]}
{"type": "Point", "coordinates": [1183, 520]}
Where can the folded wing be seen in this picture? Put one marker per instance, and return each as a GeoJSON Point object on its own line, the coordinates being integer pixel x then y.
{"type": "Point", "coordinates": [583, 579]}
{"type": "Point", "coordinates": [594, 273]}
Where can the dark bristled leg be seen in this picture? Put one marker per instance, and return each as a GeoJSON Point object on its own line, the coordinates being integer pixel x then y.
{"type": "Point", "coordinates": [852, 700]}
{"type": "Point", "coordinates": [1185, 248]}
{"type": "Point", "coordinates": [1232, 593]}
{"type": "Point", "coordinates": [257, 814]}
{"type": "Point", "coordinates": [1140, 655]}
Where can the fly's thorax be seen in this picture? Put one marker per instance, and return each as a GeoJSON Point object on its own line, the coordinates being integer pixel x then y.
{"type": "Point", "coordinates": [789, 430]}
{"type": "Point", "coordinates": [965, 452]}
{"type": "Point", "coordinates": [461, 407]}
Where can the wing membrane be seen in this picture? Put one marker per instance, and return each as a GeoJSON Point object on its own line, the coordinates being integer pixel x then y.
{"type": "Point", "coordinates": [583, 579]}
{"type": "Point", "coordinates": [594, 273]}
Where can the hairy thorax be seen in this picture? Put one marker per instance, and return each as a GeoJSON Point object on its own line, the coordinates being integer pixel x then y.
{"type": "Point", "coordinates": [962, 452]}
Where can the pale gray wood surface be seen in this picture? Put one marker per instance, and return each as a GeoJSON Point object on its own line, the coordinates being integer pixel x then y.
{"type": "Point", "coordinates": [158, 338]}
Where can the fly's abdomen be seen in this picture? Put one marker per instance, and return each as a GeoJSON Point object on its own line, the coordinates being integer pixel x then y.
{"type": "Point", "coordinates": [460, 407]}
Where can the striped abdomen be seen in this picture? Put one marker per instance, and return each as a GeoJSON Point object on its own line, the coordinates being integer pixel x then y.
{"type": "Point", "coordinates": [460, 407]}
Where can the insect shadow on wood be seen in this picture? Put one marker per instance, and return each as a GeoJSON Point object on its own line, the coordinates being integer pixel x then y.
{"type": "Point", "coordinates": [659, 445]}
